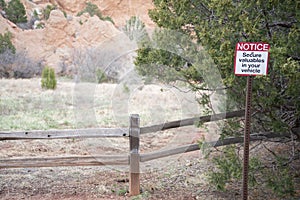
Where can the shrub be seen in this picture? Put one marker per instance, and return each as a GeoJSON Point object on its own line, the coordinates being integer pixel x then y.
{"type": "Point", "coordinates": [93, 9]}
{"type": "Point", "coordinates": [91, 65]}
{"type": "Point", "coordinates": [47, 11]}
{"type": "Point", "coordinates": [36, 14]}
{"type": "Point", "coordinates": [16, 12]}
{"type": "Point", "coordinates": [48, 78]}
{"type": "Point", "coordinates": [101, 76]}
{"type": "Point", "coordinates": [135, 29]}
{"type": "Point", "coordinates": [40, 25]}
{"type": "Point", "coordinates": [2, 5]}
{"type": "Point", "coordinates": [6, 44]}
{"type": "Point", "coordinates": [18, 65]}
{"type": "Point", "coordinates": [15, 64]}
{"type": "Point", "coordinates": [228, 167]}
{"type": "Point", "coordinates": [280, 178]}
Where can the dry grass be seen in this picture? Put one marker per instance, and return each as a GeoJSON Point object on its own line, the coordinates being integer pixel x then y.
{"type": "Point", "coordinates": [25, 106]}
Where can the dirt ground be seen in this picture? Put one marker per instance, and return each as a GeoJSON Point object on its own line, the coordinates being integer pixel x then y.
{"type": "Point", "coordinates": [182, 176]}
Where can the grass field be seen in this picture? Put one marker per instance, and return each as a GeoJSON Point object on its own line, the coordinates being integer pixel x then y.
{"type": "Point", "coordinates": [25, 106]}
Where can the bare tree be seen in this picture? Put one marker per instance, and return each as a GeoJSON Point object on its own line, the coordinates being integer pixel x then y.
{"type": "Point", "coordinates": [18, 65]}
{"type": "Point", "coordinates": [111, 59]}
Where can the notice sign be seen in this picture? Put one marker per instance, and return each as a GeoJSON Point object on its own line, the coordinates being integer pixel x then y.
{"type": "Point", "coordinates": [251, 58]}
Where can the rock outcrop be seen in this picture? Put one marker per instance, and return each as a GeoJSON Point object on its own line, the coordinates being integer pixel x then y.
{"type": "Point", "coordinates": [61, 35]}
{"type": "Point", "coordinates": [55, 43]}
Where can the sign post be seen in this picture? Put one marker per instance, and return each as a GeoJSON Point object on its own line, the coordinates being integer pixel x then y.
{"type": "Point", "coordinates": [251, 59]}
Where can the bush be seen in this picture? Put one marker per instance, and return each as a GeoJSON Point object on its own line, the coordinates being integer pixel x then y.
{"type": "Point", "coordinates": [18, 65]}
{"type": "Point", "coordinates": [47, 11]}
{"type": "Point", "coordinates": [93, 9]}
{"type": "Point", "coordinates": [15, 64]}
{"type": "Point", "coordinates": [101, 76]}
{"type": "Point", "coordinates": [135, 29]}
{"type": "Point", "coordinates": [228, 167]}
{"type": "Point", "coordinates": [16, 12]}
{"type": "Point", "coordinates": [48, 78]}
{"type": "Point", "coordinates": [6, 44]}
{"type": "Point", "coordinates": [2, 5]}
{"type": "Point", "coordinates": [91, 65]}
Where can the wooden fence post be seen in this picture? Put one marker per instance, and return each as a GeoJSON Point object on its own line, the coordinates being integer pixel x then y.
{"type": "Point", "coordinates": [134, 171]}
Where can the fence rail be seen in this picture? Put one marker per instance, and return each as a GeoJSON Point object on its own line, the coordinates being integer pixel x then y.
{"type": "Point", "coordinates": [134, 157]}
{"type": "Point", "coordinates": [64, 161]}
{"type": "Point", "coordinates": [122, 159]}
{"type": "Point", "coordinates": [65, 134]}
{"type": "Point", "coordinates": [191, 121]}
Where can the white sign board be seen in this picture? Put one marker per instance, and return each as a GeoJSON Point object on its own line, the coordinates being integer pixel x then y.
{"type": "Point", "coordinates": [251, 58]}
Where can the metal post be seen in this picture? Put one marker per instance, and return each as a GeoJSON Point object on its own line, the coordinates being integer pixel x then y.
{"type": "Point", "coordinates": [134, 159]}
{"type": "Point", "coordinates": [247, 137]}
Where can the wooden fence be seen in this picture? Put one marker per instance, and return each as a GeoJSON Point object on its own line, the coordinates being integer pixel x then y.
{"type": "Point", "coordinates": [134, 157]}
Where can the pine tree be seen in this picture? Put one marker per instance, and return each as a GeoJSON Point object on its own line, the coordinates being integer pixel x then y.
{"type": "Point", "coordinates": [16, 12]}
{"type": "Point", "coordinates": [48, 78]}
{"type": "Point", "coordinates": [2, 5]}
{"type": "Point", "coordinates": [217, 26]}
{"type": "Point", "coordinates": [6, 44]}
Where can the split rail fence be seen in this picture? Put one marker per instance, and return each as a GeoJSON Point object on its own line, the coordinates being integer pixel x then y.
{"type": "Point", "coordinates": [134, 157]}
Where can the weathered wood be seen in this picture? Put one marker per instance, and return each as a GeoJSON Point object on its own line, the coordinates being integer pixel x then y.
{"type": "Point", "coordinates": [123, 159]}
{"type": "Point", "coordinates": [169, 152]}
{"type": "Point", "coordinates": [134, 174]}
{"type": "Point", "coordinates": [64, 134]}
{"type": "Point", "coordinates": [134, 133]}
{"type": "Point", "coordinates": [111, 132]}
{"type": "Point", "coordinates": [193, 147]}
{"type": "Point", "coordinates": [64, 161]}
{"type": "Point", "coordinates": [134, 159]}
{"type": "Point", "coordinates": [191, 121]}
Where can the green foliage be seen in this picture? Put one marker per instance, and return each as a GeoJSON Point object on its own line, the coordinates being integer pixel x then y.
{"type": "Point", "coordinates": [40, 25]}
{"type": "Point", "coordinates": [229, 168]}
{"type": "Point", "coordinates": [126, 89]}
{"type": "Point", "coordinates": [18, 65]}
{"type": "Point", "coordinates": [108, 18]}
{"type": "Point", "coordinates": [35, 14]}
{"type": "Point", "coordinates": [65, 14]}
{"type": "Point", "coordinates": [47, 11]}
{"type": "Point", "coordinates": [155, 64]}
{"type": "Point", "coordinates": [280, 179]}
{"type": "Point", "coordinates": [144, 195]}
{"type": "Point", "coordinates": [2, 4]}
{"type": "Point", "coordinates": [217, 26]}
{"type": "Point", "coordinates": [48, 78]}
{"type": "Point", "coordinates": [6, 44]}
{"type": "Point", "coordinates": [135, 29]}
{"type": "Point", "coordinates": [101, 76]}
{"type": "Point", "coordinates": [16, 12]}
{"type": "Point", "coordinates": [93, 9]}
{"type": "Point", "coordinates": [122, 192]}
